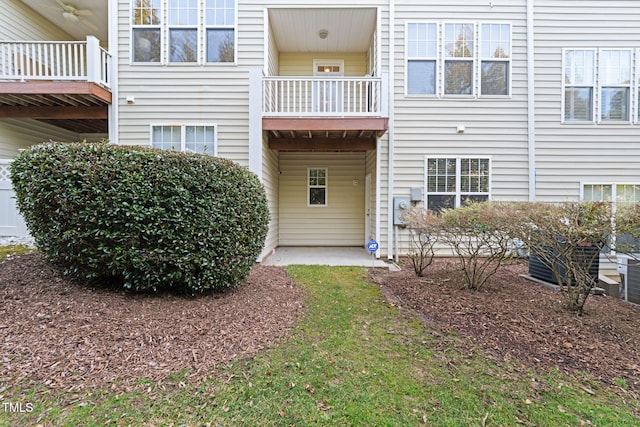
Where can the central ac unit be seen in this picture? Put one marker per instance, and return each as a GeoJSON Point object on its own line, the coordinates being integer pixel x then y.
{"type": "Point", "coordinates": [629, 270]}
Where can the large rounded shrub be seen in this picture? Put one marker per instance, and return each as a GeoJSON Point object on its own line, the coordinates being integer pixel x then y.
{"type": "Point", "coordinates": [149, 219]}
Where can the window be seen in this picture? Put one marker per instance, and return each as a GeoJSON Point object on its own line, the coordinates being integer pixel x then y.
{"type": "Point", "coordinates": [183, 26]}
{"type": "Point", "coordinates": [444, 59]}
{"type": "Point", "coordinates": [421, 58]}
{"type": "Point", "coordinates": [618, 194]}
{"type": "Point", "coordinates": [317, 186]}
{"type": "Point", "coordinates": [495, 63]}
{"type": "Point", "coordinates": [578, 85]}
{"type": "Point", "coordinates": [220, 18]}
{"type": "Point", "coordinates": [458, 59]}
{"type": "Point", "coordinates": [192, 139]}
{"type": "Point", "coordinates": [615, 85]}
{"type": "Point", "coordinates": [146, 31]}
{"type": "Point", "coordinates": [453, 181]}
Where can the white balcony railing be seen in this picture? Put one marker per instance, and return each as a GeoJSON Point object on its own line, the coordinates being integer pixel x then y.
{"type": "Point", "coordinates": [55, 60]}
{"type": "Point", "coordinates": [338, 97]}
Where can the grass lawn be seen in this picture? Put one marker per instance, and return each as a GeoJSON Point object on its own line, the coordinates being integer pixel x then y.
{"type": "Point", "coordinates": [353, 360]}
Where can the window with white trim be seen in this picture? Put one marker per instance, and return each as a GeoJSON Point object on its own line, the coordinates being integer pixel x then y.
{"type": "Point", "coordinates": [617, 193]}
{"type": "Point", "coordinates": [579, 81]}
{"type": "Point", "coordinates": [445, 60]}
{"type": "Point", "coordinates": [615, 84]}
{"type": "Point", "coordinates": [183, 31]}
{"type": "Point", "coordinates": [495, 59]}
{"type": "Point", "coordinates": [422, 53]}
{"type": "Point", "coordinates": [458, 59]}
{"type": "Point", "coordinates": [451, 182]}
{"type": "Point", "coordinates": [188, 138]}
{"type": "Point", "coordinates": [317, 186]}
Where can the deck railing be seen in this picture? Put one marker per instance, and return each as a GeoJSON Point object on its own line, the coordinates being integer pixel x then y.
{"type": "Point", "coordinates": [55, 60]}
{"type": "Point", "coordinates": [338, 97]}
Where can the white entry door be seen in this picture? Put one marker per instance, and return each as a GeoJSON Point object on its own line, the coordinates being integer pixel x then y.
{"type": "Point", "coordinates": [327, 93]}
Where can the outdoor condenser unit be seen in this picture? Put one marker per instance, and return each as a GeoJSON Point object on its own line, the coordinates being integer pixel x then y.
{"type": "Point", "coordinates": [629, 269]}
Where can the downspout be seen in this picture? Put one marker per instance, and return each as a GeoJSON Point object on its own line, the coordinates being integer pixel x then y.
{"type": "Point", "coordinates": [112, 29]}
{"type": "Point", "coordinates": [531, 102]}
{"type": "Point", "coordinates": [390, 189]}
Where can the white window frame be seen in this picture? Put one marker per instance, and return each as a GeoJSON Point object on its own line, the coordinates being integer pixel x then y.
{"type": "Point", "coordinates": [507, 60]}
{"type": "Point", "coordinates": [458, 194]}
{"type": "Point", "coordinates": [183, 131]}
{"type": "Point", "coordinates": [325, 186]}
{"type": "Point", "coordinates": [201, 27]}
{"type": "Point", "coordinates": [614, 190]}
{"type": "Point", "coordinates": [435, 59]}
{"type": "Point", "coordinates": [602, 86]}
{"type": "Point", "coordinates": [593, 87]}
{"type": "Point", "coordinates": [449, 59]}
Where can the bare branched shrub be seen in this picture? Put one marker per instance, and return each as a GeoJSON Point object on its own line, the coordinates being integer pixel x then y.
{"type": "Point", "coordinates": [627, 230]}
{"type": "Point", "coordinates": [423, 230]}
{"type": "Point", "coordinates": [568, 238]}
{"type": "Point", "coordinates": [480, 236]}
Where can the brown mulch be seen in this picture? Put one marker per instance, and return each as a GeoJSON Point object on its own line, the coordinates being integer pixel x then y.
{"type": "Point", "coordinates": [67, 336]}
{"type": "Point", "coordinates": [514, 319]}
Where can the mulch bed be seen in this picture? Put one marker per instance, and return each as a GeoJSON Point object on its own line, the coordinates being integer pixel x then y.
{"type": "Point", "coordinates": [514, 319]}
{"type": "Point", "coordinates": [67, 336]}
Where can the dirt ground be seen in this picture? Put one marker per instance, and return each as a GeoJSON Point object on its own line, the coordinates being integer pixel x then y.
{"type": "Point", "coordinates": [66, 336]}
{"type": "Point", "coordinates": [514, 319]}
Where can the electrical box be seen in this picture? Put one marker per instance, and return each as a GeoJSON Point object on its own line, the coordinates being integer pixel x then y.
{"type": "Point", "coordinates": [416, 194]}
{"type": "Point", "coordinates": [400, 207]}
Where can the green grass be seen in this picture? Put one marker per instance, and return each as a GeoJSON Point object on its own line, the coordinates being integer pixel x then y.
{"type": "Point", "coordinates": [353, 360]}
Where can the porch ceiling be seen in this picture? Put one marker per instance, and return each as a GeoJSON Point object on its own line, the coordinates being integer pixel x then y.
{"type": "Point", "coordinates": [348, 29]}
{"type": "Point", "coordinates": [92, 16]}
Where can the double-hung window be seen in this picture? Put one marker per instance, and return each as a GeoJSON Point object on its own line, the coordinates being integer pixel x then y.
{"type": "Point", "coordinates": [422, 53]}
{"type": "Point", "coordinates": [615, 84]}
{"type": "Point", "coordinates": [458, 59]}
{"type": "Point", "coordinates": [495, 62]}
{"type": "Point", "coordinates": [317, 186]}
{"type": "Point", "coordinates": [183, 31]}
{"type": "Point", "coordinates": [451, 182]}
{"type": "Point", "coordinates": [146, 31]}
{"type": "Point", "coordinates": [188, 138]}
{"type": "Point", "coordinates": [579, 68]}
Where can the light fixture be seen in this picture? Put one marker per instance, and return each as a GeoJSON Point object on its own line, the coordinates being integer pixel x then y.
{"type": "Point", "coordinates": [323, 34]}
{"type": "Point", "coordinates": [70, 16]}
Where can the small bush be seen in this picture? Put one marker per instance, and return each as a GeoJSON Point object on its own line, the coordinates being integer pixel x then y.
{"type": "Point", "coordinates": [149, 219]}
{"type": "Point", "coordinates": [423, 231]}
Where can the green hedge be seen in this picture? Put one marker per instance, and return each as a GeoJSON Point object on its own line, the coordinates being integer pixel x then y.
{"type": "Point", "coordinates": [149, 219]}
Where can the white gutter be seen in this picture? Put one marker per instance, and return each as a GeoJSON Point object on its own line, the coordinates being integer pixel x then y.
{"type": "Point", "coordinates": [112, 13]}
{"type": "Point", "coordinates": [390, 189]}
{"type": "Point", "coordinates": [531, 102]}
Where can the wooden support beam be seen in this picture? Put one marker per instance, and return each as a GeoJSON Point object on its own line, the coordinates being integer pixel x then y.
{"type": "Point", "coordinates": [41, 113]}
{"type": "Point", "coordinates": [323, 144]}
{"type": "Point", "coordinates": [326, 123]}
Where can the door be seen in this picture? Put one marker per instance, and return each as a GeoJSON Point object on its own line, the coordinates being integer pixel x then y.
{"type": "Point", "coordinates": [327, 93]}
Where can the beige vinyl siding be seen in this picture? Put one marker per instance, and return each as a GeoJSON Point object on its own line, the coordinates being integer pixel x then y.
{"type": "Point", "coordinates": [493, 127]}
{"type": "Point", "coordinates": [568, 154]}
{"type": "Point", "coordinates": [370, 168]}
{"type": "Point", "coordinates": [18, 134]}
{"type": "Point", "coordinates": [301, 64]}
{"type": "Point", "coordinates": [271, 182]}
{"type": "Point", "coordinates": [341, 222]}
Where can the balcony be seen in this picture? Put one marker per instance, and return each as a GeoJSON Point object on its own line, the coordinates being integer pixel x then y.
{"type": "Point", "coordinates": [345, 113]}
{"type": "Point", "coordinates": [65, 83]}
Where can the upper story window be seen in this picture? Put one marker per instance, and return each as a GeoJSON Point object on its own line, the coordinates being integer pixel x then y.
{"type": "Point", "coordinates": [191, 139]}
{"type": "Point", "coordinates": [615, 85]}
{"type": "Point", "coordinates": [598, 93]}
{"type": "Point", "coordinates": [451, 182]}
{"type": "Point", "coordinates": [458, 59]}
{"type": "Point", "coordinates": [422, 53]}
{"type": "Point", "coordinates": [183, 31]}
{"type": "Point", "coordinates": [444, 59]}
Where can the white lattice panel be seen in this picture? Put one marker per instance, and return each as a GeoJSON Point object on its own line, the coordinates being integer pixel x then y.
{"type": "Point", "coordinates": [5, 175]}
